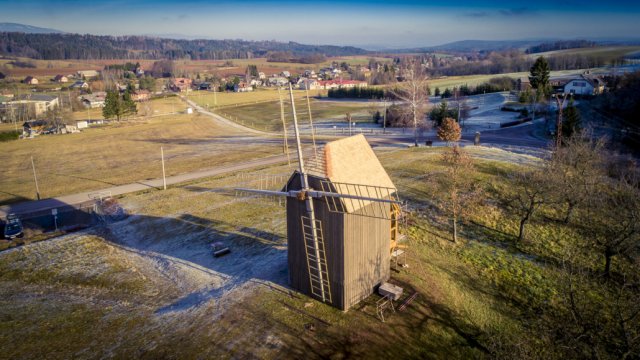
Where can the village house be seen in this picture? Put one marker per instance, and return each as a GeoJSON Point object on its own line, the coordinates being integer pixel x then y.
{"type": "Point", "coordinates": [522, 84]}
{"type": "Point", "coordinates": [346, 84]}
{"type": "Point", "coordinates": [180, 84]}
{"type": "Point", "coordinates": [140, 95]}
{"type": "Point", "coordinates": [95, 100]}
{"type": "Point", "coordinates": [277, 81]}
{"type": "Point", "coordinates": [285, 74]}
{"type": "Point", "coordinates": [242, 87]}
{"type": "Point", "coordinates": [310, 74]}
{"type": "Point", "coordinates": [60, 79]}
{"type": "Point", "coordinates": [584, 85]}
{"type": "Point", "coordinates": [308, 84]}
{"type": "Point", "coordinates": [36, 104]}
{"type": "Point", "coordinates": [30, 80]}
{"type": "Point", "coordinates": [262, 76]}
{"type": "Point", "coordinates": [79, 85]}
{"type": "Point", "coordinates": [87, 74]}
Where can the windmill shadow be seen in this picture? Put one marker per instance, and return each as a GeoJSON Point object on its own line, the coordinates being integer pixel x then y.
{"type": "Point", "coordinates": [256, 256]}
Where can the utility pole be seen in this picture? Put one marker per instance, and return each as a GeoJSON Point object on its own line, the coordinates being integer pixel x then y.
{"type": "Point", "coordinates": [164, 178]}
{"type": "Point", "coordinates": [35, 178]}
{"type": "Point", "coordinates": [313, 132]}
{"type": "Point", "coordinates": [384, 118]}
{"type": "Point", "coordinates": [215, 97]}
{"type": "Point", "coordinates": [459, 119]}
{"type": "Point", "coordinates": [285, 143]}
{"type": "Point", "coordinates": [559, 120]}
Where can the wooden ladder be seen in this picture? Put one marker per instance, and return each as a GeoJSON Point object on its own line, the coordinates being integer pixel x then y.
{"type": "Point", "coordinates": [317, 266]}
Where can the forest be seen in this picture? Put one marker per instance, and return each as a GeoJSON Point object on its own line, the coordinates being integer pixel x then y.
{"type": "Point", "coordinates": [94, 47]}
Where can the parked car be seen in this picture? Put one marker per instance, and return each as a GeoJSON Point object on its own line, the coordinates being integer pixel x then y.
{"type": "Point", "coordinates": [13, 227]}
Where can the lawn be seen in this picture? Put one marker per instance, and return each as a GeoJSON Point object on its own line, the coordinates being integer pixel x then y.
{"type": "Point", "coordinates": [266, 115]}
{"type": "Point", "coordinates": [208, 99]}
{"type": "Point", "coordinates": [119, 153]}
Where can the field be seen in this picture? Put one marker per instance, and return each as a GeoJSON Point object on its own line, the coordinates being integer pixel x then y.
{"type": "Point", "coordinates": [211, 100]}
{"type": "Point", "coordinates": [148, 287]}
{"type": "Point", "coordinates": [120, 153]}
{"type": "Point", "coordinates": [266, 116]}
{"type": "Point", "coordinates": [606, 52]}
{"type": "Point", "coordinates": [474, 80]}
{"type": "Point", "coordinates": [46, 69]}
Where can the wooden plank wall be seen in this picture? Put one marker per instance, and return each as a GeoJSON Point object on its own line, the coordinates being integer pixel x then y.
{"type": "Point", "coordinates": [357, 249]}
{"type": "Point", "coordinates": [333, 239]}
{"type": "Point", "coordinates": [366, 252]}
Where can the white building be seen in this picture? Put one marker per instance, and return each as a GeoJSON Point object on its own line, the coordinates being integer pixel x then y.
{"type": "Point", "coordinates": [37, 104]}
{"type": "Point", "coordinates": [584, 85]}
{"type": "Point", "coordinates": [86, 74]}
{"type": "Point", "coordinates": [308, 84]}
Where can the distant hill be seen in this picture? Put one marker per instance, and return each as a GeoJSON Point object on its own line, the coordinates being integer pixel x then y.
{"type": "Point", "coordinates": [27, 29]}
{"type": "Point", "coordinates": [477, 46]}
{"type": "Point", "coordinates": [560, 45]}
{"type": "Point", "coordinates": [529, 45]}
{"type": "Point", "coordinates": [76, 46]}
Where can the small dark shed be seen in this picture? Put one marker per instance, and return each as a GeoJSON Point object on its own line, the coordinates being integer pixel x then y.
{"type": "Point", "coordinates": [356, 244]}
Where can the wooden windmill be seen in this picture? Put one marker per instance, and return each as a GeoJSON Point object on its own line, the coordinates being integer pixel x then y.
{"type": "Point", "coordinates": [340, 221]}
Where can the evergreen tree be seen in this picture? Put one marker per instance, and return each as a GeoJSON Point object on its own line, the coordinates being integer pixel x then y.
{"type": "Point", "coordinates": [539, 76]}
{"type": "Point", "coordinates": [117, 106]}
{"type": "Point", "coordinates": [437, 92]}
{"type": "Point", "coordinates": [571, 121]}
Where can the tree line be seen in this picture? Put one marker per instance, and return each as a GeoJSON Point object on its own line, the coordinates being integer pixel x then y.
{"type": "Point", "coordinates": [84, 47]}
{"type": "Point", "coordinates": [560, 45]}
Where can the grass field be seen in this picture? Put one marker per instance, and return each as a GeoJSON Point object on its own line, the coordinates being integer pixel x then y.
{"type": "Point", "coordinates": [266, 116]}
{"type": "Point", "coordinates": [208, 99]}
{"type": "Point", "coordinates": [110, 300]}
{"type": "Point", "coordinates": [474, 80]}
{"type": "Point", "coordinates": [156, 107]}
{"type": "Point", "coordinates": [606, 52]}
{"type": "Point", "coordinates": [148, 287]}
{"type": "Point", "coordinates": [118, 154]}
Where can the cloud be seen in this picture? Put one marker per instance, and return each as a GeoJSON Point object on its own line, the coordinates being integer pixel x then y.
{"type": "Point", "coordinates": [521, 11]}
{"type": "Point", "coordinates": [477, 14]}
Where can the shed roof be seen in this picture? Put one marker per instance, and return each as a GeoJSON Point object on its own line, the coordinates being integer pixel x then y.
{"type": "Point", "coordinates": [354, 169]}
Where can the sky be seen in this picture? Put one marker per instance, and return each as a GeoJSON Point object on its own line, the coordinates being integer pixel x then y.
{"type": "Point", "coordinates": [370, 24]}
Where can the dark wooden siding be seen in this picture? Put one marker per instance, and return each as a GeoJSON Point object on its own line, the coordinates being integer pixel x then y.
{"type": "Point", "coordinates": [357, 249]}
{"type": "Point", "coordinates": [366, 252]}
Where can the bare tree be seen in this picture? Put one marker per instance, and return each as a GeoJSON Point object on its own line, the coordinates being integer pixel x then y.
{"type": "Point", "coordinates": [596, 319]}
{"type": "Point", "coordinates": [460, 191]}
{"type": "Point", "coordinates": [575, 170]}
{"type": "Point", "coordinates": [612, 222]}
{"type": "Point", "coordinates": [414, 93]}
{"type": "Point", "coordinates": [529, 194]}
